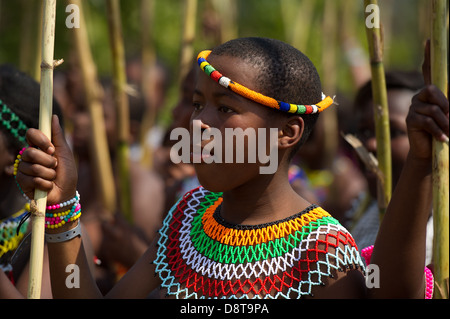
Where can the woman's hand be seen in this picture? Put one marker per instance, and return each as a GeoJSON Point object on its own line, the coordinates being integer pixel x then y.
{"type": "Point", "coordinates": [428, 116]}
{"type": "Point", "coordinates": [48, 165]}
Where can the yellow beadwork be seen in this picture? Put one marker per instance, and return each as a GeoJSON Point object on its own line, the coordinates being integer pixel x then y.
{"type": "Point", "coordinates": [258, 97]}
{"type": "Point", "coordinates": [239, 237]}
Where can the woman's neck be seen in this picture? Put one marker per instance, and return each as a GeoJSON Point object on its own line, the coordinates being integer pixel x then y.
{"type": "Point", "coordinates": [264, 199]}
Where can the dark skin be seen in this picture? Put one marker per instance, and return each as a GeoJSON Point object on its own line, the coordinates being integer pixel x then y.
{"type": "Point", "coordinates": [404, 226]}
{"type": "Point", "coordinates": [249, 197]}
{"type": "Point", "coordinates": [11, 201]}
{"type": "Point", "coordinates": [399, 101]}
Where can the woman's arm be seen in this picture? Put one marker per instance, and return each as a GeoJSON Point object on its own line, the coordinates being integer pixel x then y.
{"type": "Point", "coordinates": [400, 245]}
{"type": "Point", "coordinates": [50, 167]}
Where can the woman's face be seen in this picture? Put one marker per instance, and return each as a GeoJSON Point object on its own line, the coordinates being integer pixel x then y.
{"type": "Point", "coordinates": [220, 108]}
{"type": "Point", "coordinates": [399, 102]}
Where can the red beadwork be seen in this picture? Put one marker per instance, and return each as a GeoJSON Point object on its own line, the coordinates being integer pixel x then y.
{"type": "Point", "coordinates": [215, 75]}
{"type": "Point", "coordinates": [216, 288]}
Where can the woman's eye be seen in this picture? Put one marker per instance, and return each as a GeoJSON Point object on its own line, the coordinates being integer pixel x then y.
{"type": "Point", "coordinates": [225, 109]}
{"type": "Point", "coordinates": [197, 106]}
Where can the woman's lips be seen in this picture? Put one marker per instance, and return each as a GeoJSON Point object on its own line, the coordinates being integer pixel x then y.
{"type": "Point", "coordinates": [198, 158]}
{"type": "Point", "coordinates": [199, 153]}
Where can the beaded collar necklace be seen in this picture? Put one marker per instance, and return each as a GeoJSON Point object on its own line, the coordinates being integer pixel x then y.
{"type": "Point", "coordinates": [200, 255]}
{"type": "Point", "coordinates": [13, 123]}
{"type": "Point", "coordinates": [258, 97]}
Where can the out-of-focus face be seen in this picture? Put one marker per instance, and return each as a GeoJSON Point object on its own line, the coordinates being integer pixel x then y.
{"type": "Point", "coordinates": [82, 128]}
{"type": "Point", "coordinates": [182, 112]}
{"type": "Point", "coordinates": [399, 102]}
{"type": "Point", "coordinates": [218, 107]}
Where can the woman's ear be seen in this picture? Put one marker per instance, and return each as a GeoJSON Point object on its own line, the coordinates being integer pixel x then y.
{"type": "Point", "coordinates": [291, 132]}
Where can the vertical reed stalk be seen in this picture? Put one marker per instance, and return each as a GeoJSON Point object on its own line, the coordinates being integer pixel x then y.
{"type": "Point", "coordinates": [329, 69]}
{"type": "Point", "coordinates": [381, 112]}
{"type": "Point", "coordinates": [439, 78]}
{"type": "Point", "coordinates": [94, 95]}
{"type": "Point", "coordinates": [45, 114]}
{"type": "Point", "coordinates": [121, 104]}
{"type": "Point", "coordinates": [147, 85]}
{"type": "Point", "coordinates": [188, 36]}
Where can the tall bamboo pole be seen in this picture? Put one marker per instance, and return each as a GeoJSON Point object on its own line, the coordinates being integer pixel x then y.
{"type": "Point", "coordinates": [188, 36]}
{"type": "Point", "coordinates": [439, 77]}
{"type": "Point", "coordinates": [381, 111]}
{"type": "Point", "coordinates": [30, 44]}
{"type": "Point", "coordinates": [228, 15]}
{"type": "Point", "coordinates": [121, 104]}
{"type": "Point", "coordinates": [45, 114]}
{"type": "Point", "coordinates": [329, 67]}
{"type": "Point", "coordinates": [94, 94]}
{"type": "Point", "coordinates": [147, 85]}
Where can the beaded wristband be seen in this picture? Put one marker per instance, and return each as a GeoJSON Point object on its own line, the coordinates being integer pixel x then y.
{"type": "Point", "coordinates": [64, 236]}
{"type": "Point", "coordinates": [56, 220]}
{"type": "Point", "coordinates": [16, 168]}
{"type": "Point", "coordinates": [74, 200]}
{"type": "Point", "coordinates": [429, 283]}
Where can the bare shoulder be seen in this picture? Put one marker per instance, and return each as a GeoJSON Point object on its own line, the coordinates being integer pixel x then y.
{"type": "Point", "coordinates": [339, 267]}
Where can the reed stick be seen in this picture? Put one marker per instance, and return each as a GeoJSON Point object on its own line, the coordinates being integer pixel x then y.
{"type": "Point", "coordinates": [94, 97]}
{"type": "Point", "coordinates": [381, 112]}
{"type": "Point", "coordinates": [148, 81]}
{"type": "Point", "coordinates": [228, 19]}
{"type": "Point", "coordinates": [188, 36]}
{"type": "Point", "coordinates": [329, 67]}
{"type": "Point", "coordinates": [121, 105]}
{"type": "Point", "coordinates": [30, 39]}
{"type": "Point", "coordinates": [45, 114]}
{"type": "Point", "coordinates": [440, 173]}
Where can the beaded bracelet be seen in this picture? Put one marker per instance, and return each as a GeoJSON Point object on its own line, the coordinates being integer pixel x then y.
{"type": "Point", "coordinates": [429, 283]}
{"type": "Point", "coordinates": [74, 200]}
{"type": "Point", "coordinates": [56, 220]}
{"type": "Point", "coordinates": [16, 168]}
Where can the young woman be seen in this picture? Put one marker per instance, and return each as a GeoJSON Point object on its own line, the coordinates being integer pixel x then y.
{"type": "Point", "coordinates": [244, 234]}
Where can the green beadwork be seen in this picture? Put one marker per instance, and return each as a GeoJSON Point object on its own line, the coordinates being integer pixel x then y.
{"type": "Point", "coordinates": [241, 254]}
{"type": "Point", "coordinates": [13, 118]}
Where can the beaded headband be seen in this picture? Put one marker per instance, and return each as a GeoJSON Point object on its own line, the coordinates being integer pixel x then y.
{"type": "Point", "coordinates": [13, 123]}
{"type": "Point", "coordinates": [258, 97]}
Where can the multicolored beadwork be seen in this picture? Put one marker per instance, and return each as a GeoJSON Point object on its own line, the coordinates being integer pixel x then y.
{"type": "Point", "coordinates": [258, 97]}
{"type": "Point", "coordinates": [13, 123]}
{"type": "Point", "coordinates": [16, 168]}
{"type": "Point", "coordinates": [75, 200]}
{"type": "Point", "coordinates": [11, 235]}
{"type": "Point", "coordinates": [200, 255]}
{"type": "Point", "coordinates": [56, 220]}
